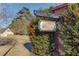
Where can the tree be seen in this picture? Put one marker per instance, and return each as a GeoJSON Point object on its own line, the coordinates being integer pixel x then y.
{"type": "Point", "coordinates": [39, 40]}
{"type": "Point", "coordinates": [19, 24]}
{"type": "Point", "coordinates": [70, 32]}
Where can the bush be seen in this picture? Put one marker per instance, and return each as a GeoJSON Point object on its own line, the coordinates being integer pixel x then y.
{"type": "Point", "coordinates": [40, 41]}
{"type": "Point", "coordinates": [70, 34]}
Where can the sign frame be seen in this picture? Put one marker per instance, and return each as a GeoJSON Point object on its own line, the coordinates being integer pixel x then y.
{"type": "Point", "coordinates": [43, 30]}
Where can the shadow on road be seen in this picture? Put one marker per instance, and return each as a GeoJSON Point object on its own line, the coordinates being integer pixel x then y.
{"type": "Point", "coordinates": [28, 46]}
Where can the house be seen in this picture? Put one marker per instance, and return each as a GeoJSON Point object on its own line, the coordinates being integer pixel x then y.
{"type": "Point", "coordinates": [5, 32]}
{"type": "Point", "coordinates": [60, 8]}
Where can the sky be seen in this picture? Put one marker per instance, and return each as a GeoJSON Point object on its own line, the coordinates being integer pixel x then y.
{"type": "Point", "coordinates": [10, 10]}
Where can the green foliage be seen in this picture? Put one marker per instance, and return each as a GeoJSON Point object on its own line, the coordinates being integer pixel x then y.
{"type": "Point", "coordinates": [70, 33]}
{"type": "Point", "coordinates": [40, 40]}
{"type": "Point", "coordinates": [19, 24]}
{"type": "Point", "coordinates": [70, 36]}
{"type": "Point", "coordinates": [41, 45]}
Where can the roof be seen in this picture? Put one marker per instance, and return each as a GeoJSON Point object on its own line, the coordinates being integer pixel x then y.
{"type": "Point", "coordinates": [42, 14]}
{"type": "Point", "coordinates": [2, 30]}
{"type": "Point", "coordinates": [65, 5]}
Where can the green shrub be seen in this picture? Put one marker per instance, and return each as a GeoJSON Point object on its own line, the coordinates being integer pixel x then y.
{"type": "Point", "coordinates": [40, 41]}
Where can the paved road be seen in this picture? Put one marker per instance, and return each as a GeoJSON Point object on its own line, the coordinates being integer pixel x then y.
{"type": "Point", "coordinates": [4, 49]}
{"type": "Point", "coordinates": [17, 49]}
